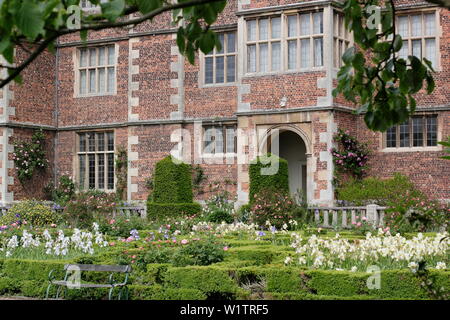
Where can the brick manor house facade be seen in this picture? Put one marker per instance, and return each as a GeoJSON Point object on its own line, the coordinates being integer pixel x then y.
{"type": "Point", "coordinates": [130, 88]}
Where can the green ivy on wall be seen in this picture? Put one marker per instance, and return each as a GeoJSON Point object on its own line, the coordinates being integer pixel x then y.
{"type": "Point", "coordinates": [121, 172]}
{"type": "Point", "coordinates": [29, 156]}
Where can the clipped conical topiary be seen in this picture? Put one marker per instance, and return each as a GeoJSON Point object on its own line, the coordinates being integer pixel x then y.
{"type": "Point", "coordinates": [172, 189]}
{"type": "Point", "coordinates": [268, 171]}
{"type": "Point", "coordinates": [172, 182]}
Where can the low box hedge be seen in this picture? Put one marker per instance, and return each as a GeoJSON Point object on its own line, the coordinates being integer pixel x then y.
{"type": "Point", "coordinates": [226, 281]}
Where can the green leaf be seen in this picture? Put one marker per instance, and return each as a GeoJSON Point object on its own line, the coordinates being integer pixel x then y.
{"type": "Point", "coordinates": [83, 35]}
{"type": "Point", "coordinates": [180, 40]}
{"type": "Point", "coordinates": [431, 85]}
{"type": "Point", "coordinates": [113, 9]}
{"type": "Point", "coordinates": [209, 14]}
{"type": "Point", "coordinates": [398, 43]}
{"type": "Point", "coordinates": [147, 6]}
{"type": "Point", "coordinates": [349, 55]}
{"type": "Point", "coordinates": [207, 42]}
{"type": "Point", "coordinates": [429, 64]}
{"type": "Point", "coordinates": [30, 20]}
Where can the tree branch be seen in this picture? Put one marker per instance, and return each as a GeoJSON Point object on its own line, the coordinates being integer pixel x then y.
{"type": "Point", "coordinates": [441, 3]}
{"type": "Point", "coordinates": [96, 27]}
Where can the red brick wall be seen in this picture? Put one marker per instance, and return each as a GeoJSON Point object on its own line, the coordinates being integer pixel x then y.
{"type": "Point", "coordinates": [300, 89]}
{"type": "Point", "coordinates": [207, 102]}
{"type": "Point", "coordinates": [425, 168]}
{"type": "Point", "coordinates": [254, 4]}
{"type": "Point", "coordinates": [154, 77]}
{"type": "Point", "coordinates": [91, 110]}
{"type": "Point", "coordinates": [34, 100]}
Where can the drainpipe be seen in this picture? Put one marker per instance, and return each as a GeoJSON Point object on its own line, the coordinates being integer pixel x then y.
{"type": "Point", "coordinates": [56, 116]}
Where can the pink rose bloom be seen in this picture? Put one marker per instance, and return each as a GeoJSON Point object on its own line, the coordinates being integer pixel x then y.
{"type": "Point", "coordinates": [225, 248]}
{"type": "Point", "coordinates": [112, 221]}
{"type": "Point", "coordinates": [134, 257]}
{"type": "Point", "coordinates": [112, 244]}
{"type": "Point", "coordinates": [184, 241]}
{"type": "Point", "coordinates": [359, 224]}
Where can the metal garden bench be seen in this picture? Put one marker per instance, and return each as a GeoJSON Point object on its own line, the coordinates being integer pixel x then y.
{"type": "Point", "coordinates": [72, 269]}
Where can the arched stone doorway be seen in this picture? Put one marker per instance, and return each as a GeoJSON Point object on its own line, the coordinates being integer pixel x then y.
{"type": "Point", "coordinates": [293, 148]}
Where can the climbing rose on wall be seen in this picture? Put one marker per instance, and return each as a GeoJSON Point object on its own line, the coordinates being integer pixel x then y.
{"type": "Point", "coordinates": [29, 156]}
{"type": "Point", "coordinates": [350, 156]}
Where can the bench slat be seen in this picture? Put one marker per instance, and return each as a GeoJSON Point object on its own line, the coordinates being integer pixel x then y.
{"type": "Point", "coordinates": [87, 285]}
{"type": "Point", "coordinates": [99, 268]}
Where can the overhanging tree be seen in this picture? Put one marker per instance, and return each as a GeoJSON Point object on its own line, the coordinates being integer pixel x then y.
{"type": "Point", "coordinates": [34, 25]}
{"type": "Point", "coordinates": [379, 82]}
{"type": "Point", "coordinates": [373, 76]}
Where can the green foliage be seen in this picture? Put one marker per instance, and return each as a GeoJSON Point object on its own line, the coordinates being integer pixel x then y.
{"type": "Point", "coordinates": [198, 178]}
{"type": "Point", "coordinates": [214, 281]}
{"type": "Point", "coordinates": [408, 208]}
{"type": "Point", "coordinates": [218, 209]}
{"type": "Point", "coordinates": [382, 84]}
{"type": "Point", "coordinates": [165, 210]}
{"type": "Point", "coordinates": [201, 253]}
{"type": "Point", "coordinates": [41, 23]}
{"type": "Point", "coordinates": [121, 164]}
{"type": "Point", "coordinates": [63, 193]}
{"type": "Point", "coordinates": [30, 212]}
{"type": "Point", "coordinates": [120, 226]}
{"type": "Point", "coordinates": [161, 281]}
{"type": "Point", "coordinates": [275, 206]}
{"type": "Point", "coordinates": [268, 171]}
{"type": "Point", "coordinates": [29, 156]}
{"type": "Point", "coordinates": [8, 286]}
{"type": "Point", "coordinates": [244, 213]}
{"type": "Point", "coordinates": [88, 205]}
{"type": "Point", "coordinates": [257, 255]}
{"type": "Point", "coordinates": [378, 191]}
{"type": "Point", "coordinates": [192, 36]}
{"type": "Point", "coordinates": [172, 190]}
{"type": "Point", "coordinates": [172, 182]}
{"type": "Point", "coordinates": [351, 157]}
{"type": "Point", "coordinates": [447, 145]}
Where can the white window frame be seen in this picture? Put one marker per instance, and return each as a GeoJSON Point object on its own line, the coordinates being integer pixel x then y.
{"type": "Point", "coordinates": [96, 152]}
{"type": "Point", "coordinates": [410, 38]}
{"type": "Point", "coordinates": [225, 54]}
{"type": "Point", "coordinates": [284, 43]}
{"type": "Point", "coordinates": [223, 128]}
{"type": "Point", "coordinates": [412, 148]}
{"type": "Point", "coordinates": [78, 68]}
{"type": "Point", "coordinates": [342, 38]}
